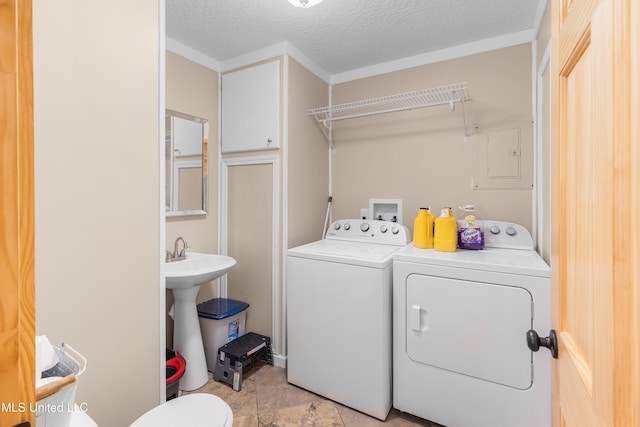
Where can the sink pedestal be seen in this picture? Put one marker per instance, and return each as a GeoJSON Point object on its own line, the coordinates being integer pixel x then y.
{"type": "Point", "coordinates": [188, 340]}
{"type": "Point", "coordinates": [184, 278]}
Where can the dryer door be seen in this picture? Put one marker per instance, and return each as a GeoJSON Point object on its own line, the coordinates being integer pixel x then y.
{"type": "Point", "coordinates": [471, 328]}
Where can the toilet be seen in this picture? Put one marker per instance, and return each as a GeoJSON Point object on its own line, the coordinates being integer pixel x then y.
{"type": "Point", "coordinates": [79, 418]}
{"type": "Point", "coordinates": [193, 410]}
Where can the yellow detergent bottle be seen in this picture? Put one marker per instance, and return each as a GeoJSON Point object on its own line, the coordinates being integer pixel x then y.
{"type": "Point", "coordinates": [430, 220]}
{"type": "Point", "coordinates": [420, 229]}
{"type": "Point", "coordinates": [446, 232]}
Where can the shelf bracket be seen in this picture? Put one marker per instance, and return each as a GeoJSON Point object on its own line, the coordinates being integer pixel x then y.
{"type": "Point", "coordinates": [324, 123]}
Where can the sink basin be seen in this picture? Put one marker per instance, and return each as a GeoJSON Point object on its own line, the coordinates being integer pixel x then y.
{"type": "Point", "coordinates": [184, 278]}
{"type": "Point", "coordinates": [196, 270]}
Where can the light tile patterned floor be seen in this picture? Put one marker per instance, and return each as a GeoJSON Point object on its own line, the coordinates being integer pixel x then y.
{"type": "Point", "coordinates": [268, 400]}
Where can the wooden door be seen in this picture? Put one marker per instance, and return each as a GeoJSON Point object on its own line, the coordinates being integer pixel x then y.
{"type": "Point", "coordinates": [595, 249]}
{"type": "Point", "coordinates": [17, 299]}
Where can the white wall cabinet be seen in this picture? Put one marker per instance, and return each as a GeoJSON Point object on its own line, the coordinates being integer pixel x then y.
{"type": "Point", "coordinates": [250, 110]}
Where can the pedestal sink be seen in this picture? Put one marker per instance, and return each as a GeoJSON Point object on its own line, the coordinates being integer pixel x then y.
{"type": "Point", "coordinates": [184, 279]}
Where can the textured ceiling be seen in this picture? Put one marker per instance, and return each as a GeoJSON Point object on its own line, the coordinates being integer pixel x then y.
{"type": "Point", "coordinates": [343, 35]}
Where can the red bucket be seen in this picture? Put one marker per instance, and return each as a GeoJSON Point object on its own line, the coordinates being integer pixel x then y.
{"type": "Point", "coordinates": [175, 370]}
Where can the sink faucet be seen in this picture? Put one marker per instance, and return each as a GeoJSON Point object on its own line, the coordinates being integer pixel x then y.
{"type": "Point", "coordinates": [178, 254]}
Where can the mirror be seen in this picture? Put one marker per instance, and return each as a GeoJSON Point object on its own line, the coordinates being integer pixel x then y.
{"type": "Point", "coordinates": [186, 164]}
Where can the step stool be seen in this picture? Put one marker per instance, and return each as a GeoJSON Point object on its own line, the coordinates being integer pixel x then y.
{"type": "Point", "coordinates": [238, 356]}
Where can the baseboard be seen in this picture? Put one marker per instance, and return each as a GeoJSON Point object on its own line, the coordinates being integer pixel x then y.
{"type": "Point", "coordinates": [280, 361]}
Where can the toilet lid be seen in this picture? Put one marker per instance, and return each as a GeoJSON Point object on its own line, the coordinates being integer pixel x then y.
{"type": "Point", "coordinates": [80, 418]}
{"type": "Point", "coordinates": [193, 410]}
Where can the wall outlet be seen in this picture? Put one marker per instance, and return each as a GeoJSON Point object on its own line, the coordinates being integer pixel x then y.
{"type": "Point", "coordinates": [364, 213]}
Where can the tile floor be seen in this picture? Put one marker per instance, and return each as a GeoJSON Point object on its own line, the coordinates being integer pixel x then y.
{"type": "Point", "coordinates": [268, 400]}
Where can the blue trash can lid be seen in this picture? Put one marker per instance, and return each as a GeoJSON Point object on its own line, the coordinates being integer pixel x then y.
{"type": "Point", "coordinates": [219, 308]}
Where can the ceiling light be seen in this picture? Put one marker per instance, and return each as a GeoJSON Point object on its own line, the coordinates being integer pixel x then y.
{"type": "Point", "coordinates": [304, 3]}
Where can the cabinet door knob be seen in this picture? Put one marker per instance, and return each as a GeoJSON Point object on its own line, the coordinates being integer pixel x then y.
{"type": "Point", "coordinates": [269, 141]}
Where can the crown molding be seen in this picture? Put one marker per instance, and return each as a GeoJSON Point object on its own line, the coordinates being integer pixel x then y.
{"type": "Point", "coordinates": [460, 51]}
{"type": "Point", "coordinates": [286, 48]}
{"type": "Point", "coordinates": [191, 54]}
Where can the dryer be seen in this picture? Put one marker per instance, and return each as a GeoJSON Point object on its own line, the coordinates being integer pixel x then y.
{"type": "Point", "coordinates": [339, 314]}
{"type": "Point", "coordinates": [460, 323]}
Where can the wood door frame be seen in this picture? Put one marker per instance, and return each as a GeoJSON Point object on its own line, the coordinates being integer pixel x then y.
{"type": "Point", "coordinates": [17, 222]}
{"type": "Point", "coordinates": [634, 158]}
{"type": "Point", "coordinates": [626, 179]}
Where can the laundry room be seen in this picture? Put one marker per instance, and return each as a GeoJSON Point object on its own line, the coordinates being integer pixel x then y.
{"type": "Point", "coordinates": [478, 152]}
{"type": "Point", "coordinates": [483, 143]}
{"type": "Point", "coordinates": [475, 148]}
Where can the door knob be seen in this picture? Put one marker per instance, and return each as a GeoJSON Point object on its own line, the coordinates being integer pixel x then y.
{"type": "Point", "coordinates": [534, 342]}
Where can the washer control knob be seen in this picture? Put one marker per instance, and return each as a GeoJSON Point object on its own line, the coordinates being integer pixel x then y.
{"type": "Point", "coordinates": [511, 231]}
{"type": "Point", "coordinates": [494, 229]}
{"type": "Point", "coordinates": [364, 227]}
{"type": "Point", "coordinates": [347, 226]}
{"type": "Point", "coordinates": [383, 228]}
{"type": "Point", "coordinates": [395, 230]}
{"type": "Point", "coordinates": [336, 226]}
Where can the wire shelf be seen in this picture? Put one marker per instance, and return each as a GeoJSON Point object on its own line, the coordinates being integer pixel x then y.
{"type": "Point", "coordinates": [450, 94]}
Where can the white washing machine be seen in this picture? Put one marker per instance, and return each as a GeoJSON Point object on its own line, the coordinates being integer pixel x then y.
{"type": "Point", "coordinates": [339, 314]}
{"type": "Point", "coordinates": [460, 325]}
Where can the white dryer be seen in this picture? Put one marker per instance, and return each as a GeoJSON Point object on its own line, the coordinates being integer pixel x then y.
{"type": "Point", "coordinates": [339, 314]}
{"type": "Point", "coordinates": [460, 325]}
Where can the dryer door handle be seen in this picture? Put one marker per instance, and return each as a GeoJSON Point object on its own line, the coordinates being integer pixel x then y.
{"type": "Point", "coordinates": [415, 318]}
{"type": "Point", "coordinates": [534, 342]}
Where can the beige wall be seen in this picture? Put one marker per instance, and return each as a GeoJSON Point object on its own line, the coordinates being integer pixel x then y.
{"type": "Point", "coordinates": [193, 89]}
{"type": "Point", "coordinates": [308, 163]}
{"type": "Point", "coordinates": [97, 197]}
{"type": "Point", "coordinates": [420, 157]}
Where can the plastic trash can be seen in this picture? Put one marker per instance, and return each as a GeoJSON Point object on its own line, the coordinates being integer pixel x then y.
{"type": "Point", "coordinates": [221, 320]}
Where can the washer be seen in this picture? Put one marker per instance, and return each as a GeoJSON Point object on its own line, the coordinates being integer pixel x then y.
{"type": "Point", "coordinates": [460, 322]}
{"type": "Point", "coordinates": [339, 314]}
